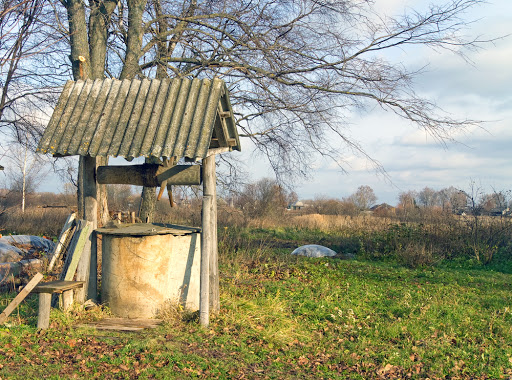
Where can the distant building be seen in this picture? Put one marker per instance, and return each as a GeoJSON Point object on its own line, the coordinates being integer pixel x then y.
{"type": "Point", "coordinates": [500, 211]}
{"type": "Point", "coordinates": [296, 206]}
{"type": "Point", "coordinates": [383, 208]}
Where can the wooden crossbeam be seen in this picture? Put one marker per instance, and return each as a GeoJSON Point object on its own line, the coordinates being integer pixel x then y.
{"type": "Point", "coordinates": [151, 175]}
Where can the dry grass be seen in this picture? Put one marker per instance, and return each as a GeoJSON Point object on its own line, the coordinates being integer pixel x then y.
{"type": "Point", "coordinates": [341, 222]}
{"type": "Point", "coordinates": [320, 222]}
{"type": "Point", "coordinates": [35, 221]}
{"type": "Point", "coordinates": [416, 255]}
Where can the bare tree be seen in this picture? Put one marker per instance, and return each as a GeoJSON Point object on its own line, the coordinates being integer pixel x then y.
{"type": "Point", "coordinates": [407, 199]}
{"type": "Point", "coordinates": [487, 235]}
{"type": "Point", "coordinates": [294, 67]}
{"type": "Point", "coordinates": [363, 198]}
{"type": "Point", "coordinates": [458, 201]}
{"type": "Point", "coordinates": [262, 198]}
{"type": "Point", "coordinates": [118, 196]}
{"type": "Point", "coordinates": [25, 171]}
{"type": "Point", "coordinates": [28, 73]}
{"type": "Point", "coordinates": [428, 197]}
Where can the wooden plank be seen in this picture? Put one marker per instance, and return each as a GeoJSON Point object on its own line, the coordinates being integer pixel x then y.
{"type": "Point", "coordinates": [162, 189]}
{"type": "Point", "coordinates": [113, 327]}
{"type": "Point", "coordinates": [144, 229]}
{"type": "Point", "coordinates": [68, 225]}
{"type": "Point", "coordinates": [58, 286]}
{"type": "Point", "coordinates": [224, 149]}
{"type": "Point", "coordinates": [141, 322]}
{"type": "Point", "coordinates": [124, 324]}
{"type": "Point", "coordinates": [20, 297]}
{"type": "Point", "coordinates": [77, 247]}
{"type": "Point", "coordinates": [83, 268]}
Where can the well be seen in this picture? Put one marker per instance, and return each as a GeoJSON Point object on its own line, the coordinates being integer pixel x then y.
{"type": "Point", "coordinates": [169, 121]}
{"type": "Point", "coordinates": [146, 265]}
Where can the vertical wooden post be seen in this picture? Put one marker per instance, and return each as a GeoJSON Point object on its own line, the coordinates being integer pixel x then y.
{"type": "Point", "coordinates": [92, 289]}
{"type": "Point", "coordinates": [214, 266]}
{"type": "Point", "coordinates": [43, 318]}
{"type": "Point", "coordinates": [204, 286]}
{"type": "Point", "coordinates": [85, 271]}
{"type": "Point", "coordinates": [67, 299]}
{"type": "Point", "coordinates": [208, 288]}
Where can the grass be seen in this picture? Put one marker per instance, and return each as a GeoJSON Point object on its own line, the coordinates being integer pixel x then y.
{"type": "Point", "coordinates": [292, 317]}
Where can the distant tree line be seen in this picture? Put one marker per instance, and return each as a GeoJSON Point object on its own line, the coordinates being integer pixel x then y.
{"type": "Point", "coordinates": [474, 200]}
{"type": "Point", "coordinates": [268, 198]}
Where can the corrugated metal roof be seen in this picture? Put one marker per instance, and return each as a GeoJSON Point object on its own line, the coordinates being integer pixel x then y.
{"type": "Point", "coordinates": [133, 118]}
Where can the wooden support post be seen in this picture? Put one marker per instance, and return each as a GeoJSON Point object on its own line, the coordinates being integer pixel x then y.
{"type": "Point", "coordinates": [204, 286]}
{"type": "Point", "coordinates": [67, 299]}
{"type": "Point", "coordinates": [90, 190]}
{"type": "Point", "coordinates": [43, 318]}
{"type": "Point", "coordinates": [207, 236]}
{"type": "Point", "coordinates": [45, 298]}
{"type": "Point", "coordinates": [92, 289]}
{"type": "Point", "coordinates": [210, 182]}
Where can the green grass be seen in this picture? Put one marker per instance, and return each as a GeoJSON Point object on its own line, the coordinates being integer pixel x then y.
{"type": "Point", "coordinates": [291, 317]}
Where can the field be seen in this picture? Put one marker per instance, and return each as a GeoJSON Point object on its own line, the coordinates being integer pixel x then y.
{"type": "Point", "coordinates": [379, 316]}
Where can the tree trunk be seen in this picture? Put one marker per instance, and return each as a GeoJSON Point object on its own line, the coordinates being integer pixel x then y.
{"type": "Point", "coordinates": [24, 185]}
{"type": "Point", "coordinates": [79, 47]}
{"type": "Point", "coordinates": [101, 12]}
{"type": "Point", "coordinates": [135, 32]}
{"type": "Point", "coordinates": [148, 201]}
{"type": "Point", "coordinates": [148, 204]}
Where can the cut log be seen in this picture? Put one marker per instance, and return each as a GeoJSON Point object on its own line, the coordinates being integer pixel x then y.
{"type": "Point", "coordinates": [149, 175]}
{"type": "Point", "coordinates": [180, 175]}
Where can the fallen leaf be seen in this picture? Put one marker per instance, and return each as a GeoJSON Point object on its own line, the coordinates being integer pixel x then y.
{"type": "Point", "coordinates": [303, 360]}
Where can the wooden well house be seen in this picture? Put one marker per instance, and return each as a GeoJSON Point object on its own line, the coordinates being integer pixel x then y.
{"type": "Point", "coordinates": [166, 120]}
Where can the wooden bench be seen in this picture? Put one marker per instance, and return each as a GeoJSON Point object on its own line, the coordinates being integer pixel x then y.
{"type": "Point", "coordinates": [46, 290]}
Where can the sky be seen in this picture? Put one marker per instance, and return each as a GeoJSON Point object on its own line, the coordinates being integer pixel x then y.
{"type": "Point", "coordinates": [412, 160]}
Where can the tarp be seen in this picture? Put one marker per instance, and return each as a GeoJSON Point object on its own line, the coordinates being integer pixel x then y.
{"type": "Point", "coordinates": [14, 247]}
